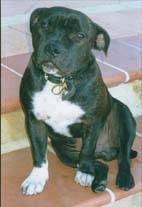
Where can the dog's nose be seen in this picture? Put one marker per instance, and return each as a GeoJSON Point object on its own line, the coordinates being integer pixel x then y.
{"type": "Point", "coordinates": [53, 48]}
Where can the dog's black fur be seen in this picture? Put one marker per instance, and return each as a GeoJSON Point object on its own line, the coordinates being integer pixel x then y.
{"type": "Point", "coordinates": [65, 37]}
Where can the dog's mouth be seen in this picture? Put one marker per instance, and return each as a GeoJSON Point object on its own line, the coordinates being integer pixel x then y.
{"type": "Point", "coordinates": [50, 68]}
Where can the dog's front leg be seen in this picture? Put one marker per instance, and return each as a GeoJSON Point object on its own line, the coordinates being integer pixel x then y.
{"type": "Point", "coordinates": [38, 177]}
{"type": "Point", "coordinates": [86, 169]}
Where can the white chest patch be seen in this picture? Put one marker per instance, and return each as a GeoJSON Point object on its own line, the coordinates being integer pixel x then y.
{"type": "Point", "coordinates": [54, 111]}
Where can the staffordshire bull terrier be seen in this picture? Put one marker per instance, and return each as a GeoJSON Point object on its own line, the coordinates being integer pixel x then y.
{"type": "Point", "coordinates": [64, 98]}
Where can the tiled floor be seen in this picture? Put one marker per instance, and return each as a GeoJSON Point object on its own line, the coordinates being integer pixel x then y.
{"type": "Point", "coordinates": [131, 201]}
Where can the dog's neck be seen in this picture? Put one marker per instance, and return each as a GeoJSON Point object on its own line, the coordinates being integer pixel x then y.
{"type": "Point", "coordinates": [68, 83]}
{"type": "Point", "coordinates": [78, 75]}
{"type": "Point", "coordinates": [65, 84]}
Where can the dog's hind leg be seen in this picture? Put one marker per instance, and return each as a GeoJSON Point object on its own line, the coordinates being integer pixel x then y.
{"type": "Point", "coordinates": [37, 133]}
{"type": "Point", "coordinates": [127, 132]}
{"type": "Point", "coordinates": [66, 151]}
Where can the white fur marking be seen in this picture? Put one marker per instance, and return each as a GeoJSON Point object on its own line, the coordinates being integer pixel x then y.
{"type": "Point", "coordinates": [36, 181]}
{"type": "Point", "coordinates": [83, 179]}
{"type": "Point", "coordinates": [54, 111]}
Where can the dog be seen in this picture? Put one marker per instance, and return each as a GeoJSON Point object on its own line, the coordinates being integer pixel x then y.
{"type": "Point", "coordinates": [63, 97]}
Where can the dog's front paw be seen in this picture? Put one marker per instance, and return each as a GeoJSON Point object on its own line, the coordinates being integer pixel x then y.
{"type": "Point", "coordinates": [125, 180]}
{"type": "Point", "coordinates": [35, 182]}
{"type": "Point", "coordinates": [98, 186]}
{"type": "Point", "coordinates": [83, 179]}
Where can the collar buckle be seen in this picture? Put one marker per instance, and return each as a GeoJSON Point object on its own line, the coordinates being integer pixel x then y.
{"type": "Point", "coordinates": [46, 76]}
{"type": "Point", "coordinates": [60, 87]}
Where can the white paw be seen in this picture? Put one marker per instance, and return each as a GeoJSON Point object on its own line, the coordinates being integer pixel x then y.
{"type": "Point", "coordinates": [36, 181]}
{"type": "Point", "coordinates": [83, 179]}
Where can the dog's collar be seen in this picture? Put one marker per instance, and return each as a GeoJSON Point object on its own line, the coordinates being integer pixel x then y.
{"type": "Point", "coordinates": [59, 79]}
{"type": "Point", "coordinates": [54, 79]}
{"type": "Point", "coordinates": [65, 84]}
{"type": "Point", "coordinates": [60, 87]}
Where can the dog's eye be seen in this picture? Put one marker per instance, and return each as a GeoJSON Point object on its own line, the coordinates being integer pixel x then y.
{"type": "Point", "coordinates": [81, 35]}
{"type": "Point", "coordinates": [77, 37]}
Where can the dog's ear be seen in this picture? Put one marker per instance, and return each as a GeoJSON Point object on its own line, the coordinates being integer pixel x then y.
{"type": "Point", "coordinates": [102, 39]}
{"type": "Point", "coordinates": [34, 19]}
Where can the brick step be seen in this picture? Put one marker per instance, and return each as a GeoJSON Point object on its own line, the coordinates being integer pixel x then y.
{"type": "Point", "coordinates": [61, 190]}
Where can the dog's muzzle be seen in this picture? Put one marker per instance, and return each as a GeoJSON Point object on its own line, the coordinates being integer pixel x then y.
{"type": "Point", "coordinates": [52, 75]}
{"type": "Point", "coordinates": [50, 68]}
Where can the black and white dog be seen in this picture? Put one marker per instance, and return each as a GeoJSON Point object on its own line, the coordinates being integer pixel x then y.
{"type": "Point", "coordinates": [64, 97]}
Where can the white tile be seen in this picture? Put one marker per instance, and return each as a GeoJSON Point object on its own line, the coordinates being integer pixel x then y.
{"type": "Point", "coordinates": [14, 42]}
{"type": "Point", "coordinates": [130, 201]}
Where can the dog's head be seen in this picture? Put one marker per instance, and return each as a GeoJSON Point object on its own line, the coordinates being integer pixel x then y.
{"type": "Point", "coordinates": [63, 38]}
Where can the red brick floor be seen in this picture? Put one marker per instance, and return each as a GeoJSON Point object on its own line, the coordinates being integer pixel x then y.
{"type": "Point", "coordinates": [61, 190]}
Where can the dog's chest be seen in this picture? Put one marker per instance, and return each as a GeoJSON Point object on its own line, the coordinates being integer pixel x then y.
{"type": "Point", "coordinates": [54, 111]}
